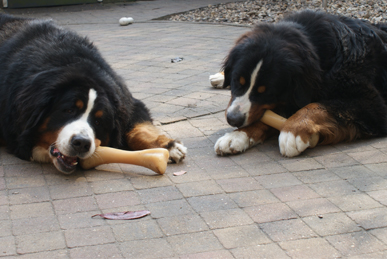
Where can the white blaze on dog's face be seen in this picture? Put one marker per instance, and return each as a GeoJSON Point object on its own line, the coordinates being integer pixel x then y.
{"type": "Point", "coordinates": [239, 107]}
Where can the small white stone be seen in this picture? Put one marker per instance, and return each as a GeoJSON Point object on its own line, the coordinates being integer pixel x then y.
{"type": "Point", "coordinates": [125, 21]}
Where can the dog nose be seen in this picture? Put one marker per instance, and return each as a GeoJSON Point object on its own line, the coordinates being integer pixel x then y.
{"type": "Point", "coordinates": [80, 144]}
{"type": "Point", "coordinates": [235, 119]}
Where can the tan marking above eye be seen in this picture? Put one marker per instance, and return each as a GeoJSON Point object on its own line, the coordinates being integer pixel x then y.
{"type": "Point", "coordinates": [261, 89]}
{"type": "Point", "coordinates": [242, 80]}
{"type": "Point", "coordinates": [79, 104]}
{"type": "Point", "coordinates": [98, 114]}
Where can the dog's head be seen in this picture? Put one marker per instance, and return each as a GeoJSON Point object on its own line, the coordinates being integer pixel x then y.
{"type": "Point", "coordinates": [72, 115]}
{"type": "Point", "coordinates": [269, 67]}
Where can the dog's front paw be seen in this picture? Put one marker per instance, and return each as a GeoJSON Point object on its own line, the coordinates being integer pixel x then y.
{"type": "Point", "coordinates": [177, 152]}
{"type": "Point", "coordinates": [291, 145]}
{"type": "Point", "coordinates": [232, 143]}
{"type": "Point", "coordinates": [217, 80]}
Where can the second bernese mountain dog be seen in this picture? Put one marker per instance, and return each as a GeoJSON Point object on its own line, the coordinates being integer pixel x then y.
{"type": "Point", "coordinates": [59, 98]}
{"type": "Point", "coordinates": [327, 74]}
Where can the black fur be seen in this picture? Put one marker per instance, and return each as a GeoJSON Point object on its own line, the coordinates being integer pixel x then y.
{"type": "Point", "coordinates": [310, 56]}
{"type": "Point", "coordinates": [43, 68]}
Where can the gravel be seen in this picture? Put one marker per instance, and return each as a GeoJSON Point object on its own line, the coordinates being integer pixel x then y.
{"type": "Point", "coordinates": [251, 12]}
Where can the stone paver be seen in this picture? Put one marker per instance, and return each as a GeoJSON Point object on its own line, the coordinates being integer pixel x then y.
{"type": "Point", "coordinates": [330, 202]}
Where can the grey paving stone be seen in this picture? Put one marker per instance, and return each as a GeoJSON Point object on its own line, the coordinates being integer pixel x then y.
{"type": "Point", "coordinates": [310, 207]}
{"type": "Point", "coordinates": [269, 251]}
{"type": "Point", "coordinates": [97, 251]}
{"type": "Point", "coordinates": [285, 230]}
{"type": "Point", "coordinates": [331, 224]}
{"type": "Point", "coordinates": [89, 236]}
{"type": "Point", "coordinates": [137, 229]}
{"type": "Point", "coordinates": [249, 235]}
{"type": "Point", "coordinates": [39, 242]}
{"type": "Point", "coordinates": [309, 248]}
{"type": "Point", "coordinates": [270, 212]}
{"type": "Point", "coordinates": [356, 243]}
{"type": "Point", "coordinates": [194, 243]}
{"type": "Point", "coordinates": [371, 218]}
{"type": "Point", "coordinates": [226, 218]}
{"type": "Point", "coordinates": [160, 248]}
{"type": "Point", "coordinates": [181, 224]}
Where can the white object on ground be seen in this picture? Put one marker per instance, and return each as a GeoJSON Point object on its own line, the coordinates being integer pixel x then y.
{"type": "Point", "coordinates": [125, 21]}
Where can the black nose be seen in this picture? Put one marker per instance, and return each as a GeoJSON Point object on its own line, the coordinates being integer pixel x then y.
{"type": "Point", "coordinates": [235, 119]}
{"type": "Point", "coordinates": [80, 144]}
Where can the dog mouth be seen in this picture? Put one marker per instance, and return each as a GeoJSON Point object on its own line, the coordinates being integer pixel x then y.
{"type": "Point", "coordinates": [65, 164]}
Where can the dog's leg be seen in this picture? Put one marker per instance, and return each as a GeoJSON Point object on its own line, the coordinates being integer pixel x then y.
{"type": "Point", "coordinates": [311, 124]}
{"type": "Point", "coordinates": [242, 139]}
{"type": "Point", "coordinates": [145, 135]}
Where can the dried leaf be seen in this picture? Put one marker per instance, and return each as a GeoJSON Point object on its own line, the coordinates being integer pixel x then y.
{"type": "Point", "coordinates": [179, 173]}
{"type": "Point", "coordinates": [124, 215]}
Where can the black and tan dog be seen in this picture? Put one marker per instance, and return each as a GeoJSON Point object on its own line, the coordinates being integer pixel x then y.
{"type": "Point", "coordinates": [326, 74]}
{"type": "Point", "coordinates": [58, 96]}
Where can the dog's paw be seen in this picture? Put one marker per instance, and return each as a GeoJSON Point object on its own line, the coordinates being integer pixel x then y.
{"type": "Point", "coordinates": [232, 143]}
{"type": "Point", "coordinates": [177, 152]}
{"type": "Point", "coordinates": [217, 80]}
{"type": "Point", "coordinates": [291, 145]}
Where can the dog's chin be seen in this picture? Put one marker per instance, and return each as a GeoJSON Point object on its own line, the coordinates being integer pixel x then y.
{"type": "Point", "coordinates": [65, 164]}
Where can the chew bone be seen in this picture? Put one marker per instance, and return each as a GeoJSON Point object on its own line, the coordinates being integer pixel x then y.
{"type": "Point", "coordinates": [155, 159]}
{"type": "Point", "coordinates": [276, 121]}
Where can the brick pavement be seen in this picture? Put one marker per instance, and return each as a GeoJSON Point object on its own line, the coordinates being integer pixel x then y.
{"type": "Point", "coordinates": [331, 202]}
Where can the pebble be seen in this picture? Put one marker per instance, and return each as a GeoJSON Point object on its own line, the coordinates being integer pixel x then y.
{"type": "Point", "coordinates": [125, 21]}
{"type": "Point", "coordinates": [254, 11]}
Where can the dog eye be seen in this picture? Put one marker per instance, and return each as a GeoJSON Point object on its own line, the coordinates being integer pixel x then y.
{"type": "Point", "coordinates": [69, 111]}
{"type": "Point", "coordinates": [261, 89]}
{"type": "Point", "coordinates": [97, 122]}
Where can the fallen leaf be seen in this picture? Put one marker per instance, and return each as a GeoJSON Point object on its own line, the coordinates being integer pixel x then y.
{"type": "Point", "coordinates": [179, 173]}
{"type": "Point", "coordinates": [124, 215]}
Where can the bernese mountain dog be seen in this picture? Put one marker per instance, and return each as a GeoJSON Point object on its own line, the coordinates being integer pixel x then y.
{"type": "Point", "coordinates": [327, 74]}
{"type": "Point", "coordinates": [59, 98]}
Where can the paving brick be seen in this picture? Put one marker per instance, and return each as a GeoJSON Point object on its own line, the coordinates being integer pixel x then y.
{"type": "Point", "coordinates": [4, 198]}
{"type": "Point", "coordinates": [89, 236]}
{"type": "Point", "coordinates": [220, 254]}
{"type": "Point", "coordinates": [194, 243]}
{"type": "Point", "coordinates": [4, 212]}
{"type": "Point", "coordinates": [356, 243]}
{"type": "Point", "coordinates": [160, 248]}
{"type": "Point", "coordinates": [28, 195]}
{"type": "Point", "coordinates": [31, 210]}
{"type": "Point", "coordinates": [285, 230]}
{"type": "Point", "coordinates": [29, 170]}
{"type": "Point", "coordinates": [80, 220]}
{"type": "Point", "coordinates": [300, 164]}
{"type": "Point", "coordinates": [309, 248]}
{"type": "Point", "coordinates": [331, 224]}
{"type": "Point", "coordinates": [355, 202]}
{"type": "Point", "coordinates": [269, 251]}
{"type": "Point", "coordinates": [159, 194]}
{"type": "Point", "coordinates": [369, 219]}
{"type": "Point", "coordinates": [264, 168]}
{"type": "Point", "coordinates": [176, 207]}
{"type": "Point", "coordinates": [7, 246]}
{"type": "Point", "coordinates": [182, 224]}
{"type": "Point", "coordinates": [357, 171]}
{"type": "Point", "coordinates": [39, 242]}
{"type": "Point", "coordinates": [25, 182]}
{"type": "Point", "coordinates": [74, 205]}
{"type": "Point", "coordinates": [369, 157]}
{"type": "Point", "coordinates": [226, 218]}
{"type": "Point", "coordinates": [270, 212]}
{"type": "Point", "coordinates": [117, 199]}
{"type": "Point", "coordinates": [65, 191]}
{"type": "Point", "coordinates": [295, 192]}
{"type": "Point", "coordinates": [211, 202]}
{"type": "Point", "coordinates": [369, 184]}
{"type": "Point", "coordinates": [199, 188]}
{"type": "Point", "coordinates": [380, 196]}
{"type": "Point", "coordinates": [377, 255]}
{"type": "Point", "coordinates": [253, 198]}
{"type": "Point", "coordinates": [40, 224]}
{"type": "Point", "coordinates": [60, 254]}
{"type": "Point", "coordinates": [380, 233]}
{"type": "Point", "coordinates": [97, 251]}
{"type": "Point", "coordinates": [137, 229]}
{"type": "Point", "coordinates": [379, 168]}
{"type": "Point", "coordinates": [310, 207]}
{"type": "Point", "coordinates": [107, 186]}
{"type": "Point", "coordinates": [249, 235]}
{"type": "Point", "coordinates": [316, 176]}
{"type": "Point", "coordinates": [239, 184]}
{"type": "Point", "coordinates": [277, 180]}
{"type": "Point", "coordinates": [336, 160]}
{"type": "Point", "coordinates": [5, 228]}
{"type": "Point", "coordinates": [145, 182]}
{"type": "Point", "coordinates": [334, 188]}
